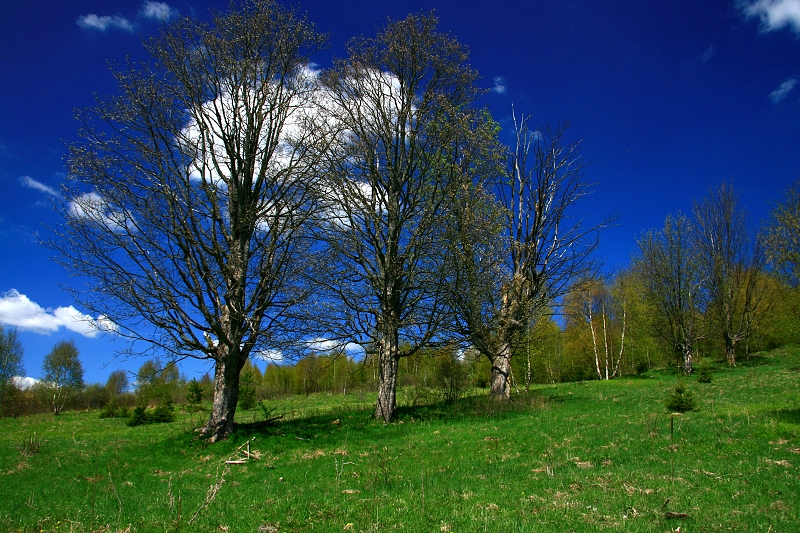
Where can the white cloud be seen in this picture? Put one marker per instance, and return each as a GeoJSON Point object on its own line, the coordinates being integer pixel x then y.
{"type": "Point", "coordinates": [158, 11]}
{"type": "Point", "coordinates": [270, 356]}
{"type": "Point", "coordinates": [783, 91]}
{"type": "Point", "coordinates": [24, 383]}
{"type": "Point", "coordinates": [774, 14]}
{"type": "Point", "coordinates": [19, 311]}
{"type": "Point", "coordinates": [28, 181]}
{"type": "Point", "coordinates": [103, 23]}
{"type": "Point", "coordinates": [499, 85]}
{"type": "Point", "coordinates": [150, 10]}
{"type": "Point", "coordinates": [94, 207]}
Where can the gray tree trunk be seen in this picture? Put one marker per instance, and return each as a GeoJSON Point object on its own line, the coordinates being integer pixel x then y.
{"type": "Point", "coordinates": [226, 396]}
{"type": "Point", "coordinates": [500, 388]}
{"type": "Point", "coordinates": [387, 383]}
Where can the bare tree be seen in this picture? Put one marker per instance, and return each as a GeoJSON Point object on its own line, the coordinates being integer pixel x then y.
{"type": "Point", "coordinates": [192, 189]}
{"type": "Point", "coordinates": [732, 261]}
{"type": "Point", "coordinates": [11, 352]}
{"type": "Point", "coordinates": [402, 103]}
{"type": "Point", "coordinates": [671, 273]}
{"type": "Point", "coordinates": [516, 249]}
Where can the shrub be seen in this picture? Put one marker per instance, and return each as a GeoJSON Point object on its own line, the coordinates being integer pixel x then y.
{"type": "Point", "coordinates": [163, 412]}
{"type": "Point", "coordinates": [705, 375]}
{"type": "Point", "coordinates": [30, 446]}
{"type": "Point", "coordinates": [681, 400]}
{"type": "Point", "coordinates": [452, 378]}
{"type": "Point", "coordinates": [114, 410]}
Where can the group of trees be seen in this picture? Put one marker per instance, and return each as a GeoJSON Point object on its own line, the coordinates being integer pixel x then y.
{"type": "Point", "coordinates": [232, 201]}
{"type": "Point", "coordinates": [62, 374]}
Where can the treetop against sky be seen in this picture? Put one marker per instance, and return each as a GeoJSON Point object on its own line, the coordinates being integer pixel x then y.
{"type": "Point", "coordinates": [671, 99]}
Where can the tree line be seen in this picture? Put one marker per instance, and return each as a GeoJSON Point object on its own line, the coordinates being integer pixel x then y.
{"type": "Point", "coordinates": [234, 201]}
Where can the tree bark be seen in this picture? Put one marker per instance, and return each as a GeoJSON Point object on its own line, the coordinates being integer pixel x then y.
{"type": "Point", "coordinates": [501, 371]}
{"type": "Point", "coordinates": [687, 358]}
{"type": "Point", "coordinates": [387, 384]}
{"type": "Point", "coordinates": [226, 396]}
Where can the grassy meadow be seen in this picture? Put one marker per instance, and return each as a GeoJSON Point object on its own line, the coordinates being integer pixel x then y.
{"type": "Point", "coordinates": [589, 456]}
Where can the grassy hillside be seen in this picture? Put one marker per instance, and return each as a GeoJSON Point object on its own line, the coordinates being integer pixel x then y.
{"type": "Point", "coordinates": [571, 457]}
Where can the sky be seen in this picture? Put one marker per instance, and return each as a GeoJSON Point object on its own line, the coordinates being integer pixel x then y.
{"type": "Point", "coordinates": [670, 99]}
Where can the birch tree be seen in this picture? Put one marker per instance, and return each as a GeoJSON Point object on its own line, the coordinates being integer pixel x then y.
{"type": "Point", "coordinates": [509, 267]}
{"type": "Point", "coordinates": [191, 190]}
{"type": "Point", "coordinates": [402, 103]}
{"type": "Point", "coordinates": [11, 352]}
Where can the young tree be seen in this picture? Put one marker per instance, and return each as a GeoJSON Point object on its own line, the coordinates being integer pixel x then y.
{"type": "Point", "coordinates": [671, 274]}
{"type": "Point", "coordinates": [11, 353]}
{"type": "Point", "coordinates": [403, 103]}
{"type": "Point", "coordinates": [117, 383]}
{"type": "Point", "coordinates": [192, 190]}
{"type": "Point", "coordinates": [782, 237]}
{"type": "Point", "coordinates": [63, 373]}
{"type": "Point", "coordinates": [537, 255]}
{"type": "Point", "coordinates": [732, 261]}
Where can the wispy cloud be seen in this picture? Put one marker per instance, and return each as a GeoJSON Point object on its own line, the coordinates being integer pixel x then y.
{"type": "Point", "coordinates": [93, 207]}
{"type": "Point", "coordinates": [28, 181]}
{"type": "Point", "coordinates": [499, 85]}
{"type": "Point", "coordinates": [150, 10]}
{"type": "Point", "coordinates": [707, 54]}
{"type": "Point", "coordinates": [19, 311]}
{"type": "Point", "coordinates": [158, 11]}
{"type": "Point", "coordinates": [783, 90]}
{"type": "Point", "coordinates": [106, 22]}
{"type": "Point", "coordinates": [774, 14]}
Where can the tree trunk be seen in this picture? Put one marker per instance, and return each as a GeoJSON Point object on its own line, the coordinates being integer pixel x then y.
{"type": "Point", "coordinates": [501, 371]}
{"type": "Point", "coordinates": [387, 386]}
{"type": "Point", "coordinates": [226, 396]}
{"type": "Point", "coordinates": [730, 350]}
{"type": "Point", "coordinates": [687, 359]}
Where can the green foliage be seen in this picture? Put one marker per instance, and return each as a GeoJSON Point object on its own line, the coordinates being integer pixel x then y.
{"type": "Point", "coordinates": [194, 393]}
{"type": "Point", "coordinates": [581, 455]}
{"type": "Point", "coordinates": [705, 374]}
{"type": "Point", "coordinates": [63, 373]}
{"type": "Point", "coordinates": [11, 353]}
{"type": "Point", "coordinates": [163, 412]}
{"type": "Point", "coordinates": [451, 377]}
{"type": "Point", "coordinates": [113, 410]}
{"type": "Point", "coordinates": [681, 399]}
{"type": "Point", "coordinates": [247, 387]}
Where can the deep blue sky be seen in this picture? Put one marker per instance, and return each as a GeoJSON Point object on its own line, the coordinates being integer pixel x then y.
{"type": "Point", "coordinates": [670, 99]}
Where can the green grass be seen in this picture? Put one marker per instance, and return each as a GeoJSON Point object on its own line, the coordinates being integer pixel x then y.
{"type": "Point", "coordinates": [590, 456]}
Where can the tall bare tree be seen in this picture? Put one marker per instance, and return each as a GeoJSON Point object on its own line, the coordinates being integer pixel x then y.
{"type": "Point", "coordinates": [732, 260]}
{"type": "Point", "coordinates": [507, 268]}
{"type": "Point", "coordinates": [191, 191]}
{"type": "Point", "coordinates": [671, 273]}
{"type": "Point", "coordinates": [402, 102]}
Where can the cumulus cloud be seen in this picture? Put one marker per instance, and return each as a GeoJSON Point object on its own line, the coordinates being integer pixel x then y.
{"type": "Point", "coordinates": [158, 11]}
{"type": "Point", "coordinates": [106, 22]}
{"type": "Point", "coordinates": [783, 91]}
{"type": "Point", "coordinates": [24, 383]}
{"type": "Point", "coordinates": [774, 14]}
{"type": "Point", "coordinates": [19, 311]}
{"type": "Point", "coordinates": [28, 181]}
{"type": "Point", "coordinates": [499, 85]}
